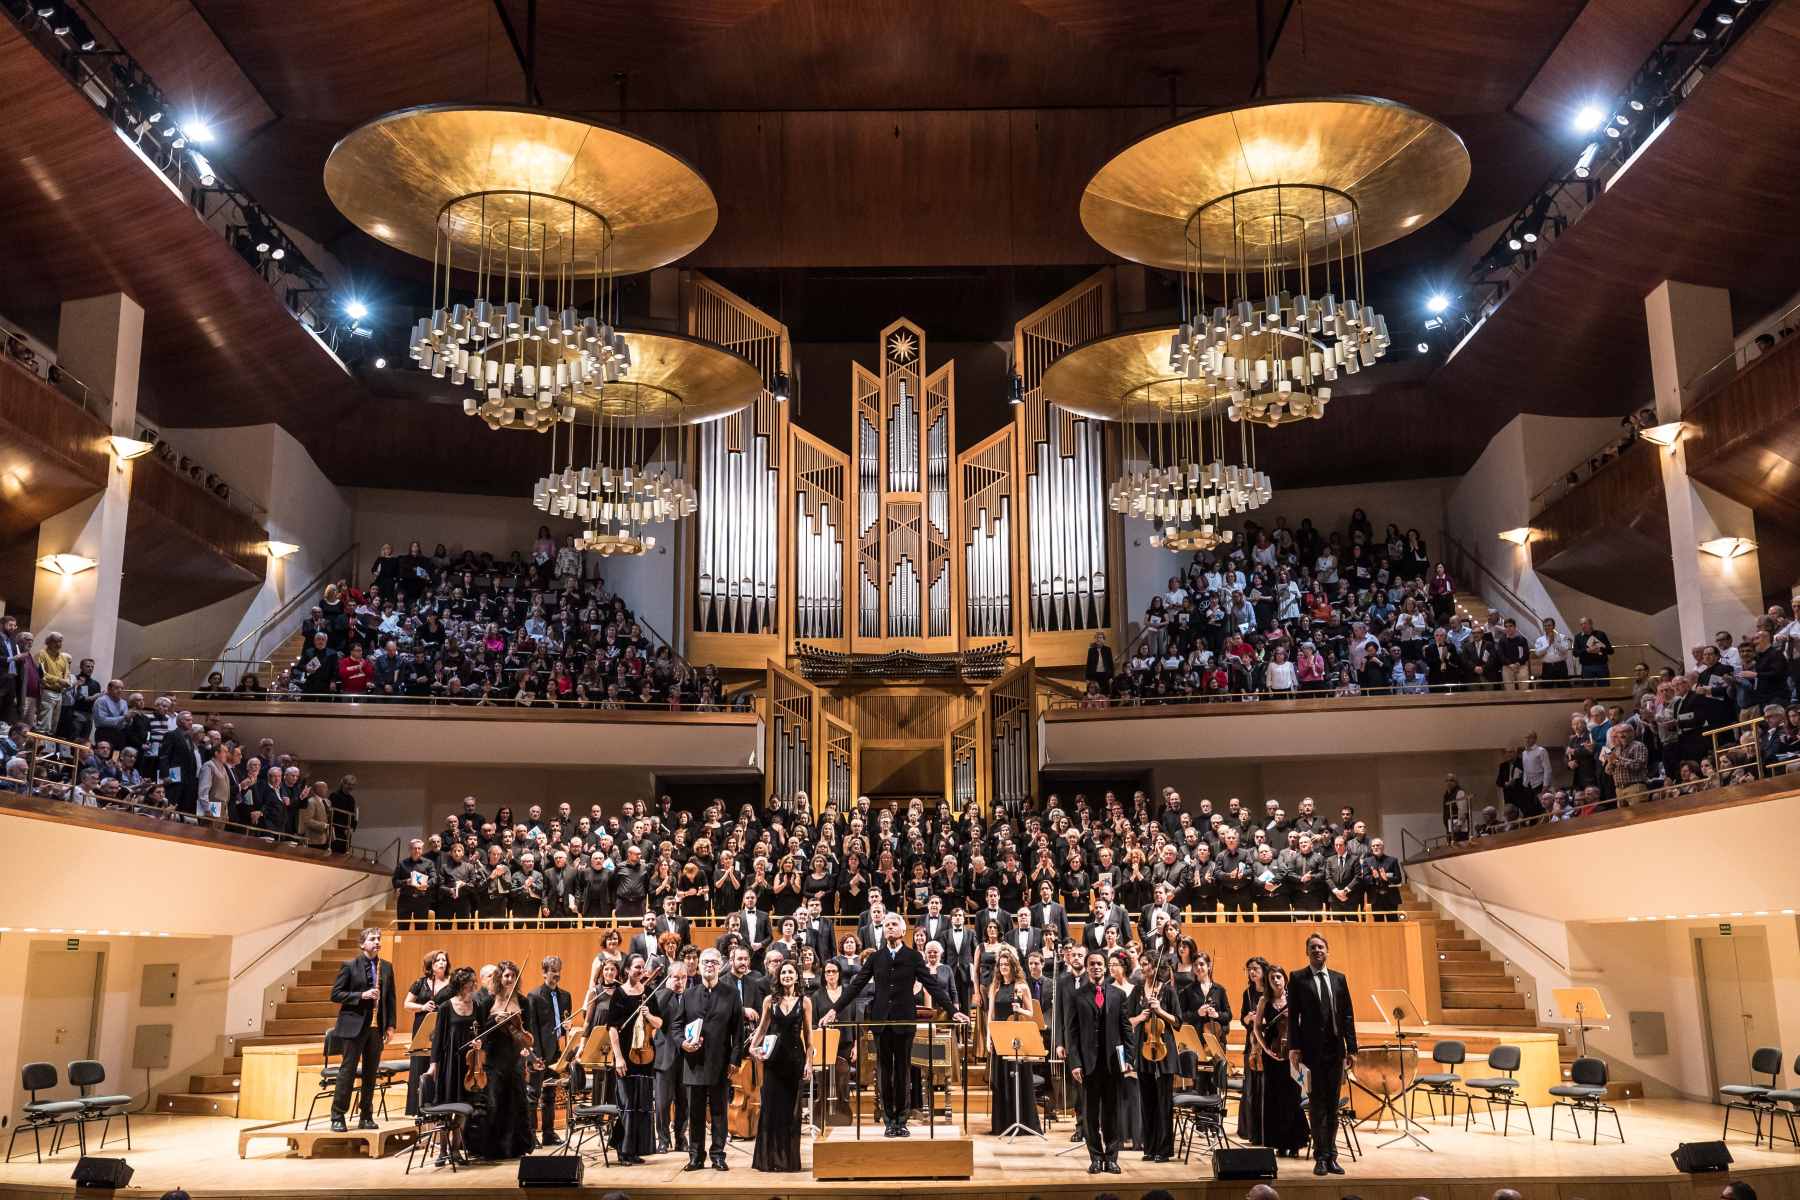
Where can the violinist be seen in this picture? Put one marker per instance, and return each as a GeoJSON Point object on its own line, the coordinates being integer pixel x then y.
{"type": "Point", "coordinates": [420, 999]}
{"type": "Point", "coordinates": [1154, 1012]}
{"type": "Point", "coordinates": [508, 1046]}
{"type": "Point", "coordinates": [632, 1022]}
{"type": "Point", "coordinates": [450, 1037]}
{"type": "Point", "coordinates": [550, 1018]}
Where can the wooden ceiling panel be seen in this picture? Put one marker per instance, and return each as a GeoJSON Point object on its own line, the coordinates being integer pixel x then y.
{"type": "Point", "coordinates": [189, 63]}
{"type": "Point", "coordinates": [1592, 64]}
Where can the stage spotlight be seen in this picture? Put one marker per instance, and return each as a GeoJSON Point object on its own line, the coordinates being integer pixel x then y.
{"type": "Point", "coordinates": [1589, 118]}
{"type": "Point", "coordinates": [1437, 303]}
{"type": "Point", "coordinates": [1584, 166]}
{"type": "Point", "coordinates": [1533, 224]}
{"type": "Point", "coordinates": [380, 364]}
{"type": "Point", "coordinates": [355, 309]}
{"type": "Point", "coordinates": [782, 387]}
{"type": "Point", "coordinates": [197, 129]}
{"type": "Point", "coordinates": [1424, 347]}
{"type": "Point", "coordinates": [80, 36]}
{"type": "Point", "coordinates": [1514, 242]}
{"type": "Point", "coordinates": [203, 169]}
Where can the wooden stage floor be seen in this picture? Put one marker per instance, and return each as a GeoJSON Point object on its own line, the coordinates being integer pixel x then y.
{"type": "Point", "coordinates": [200, 1155]}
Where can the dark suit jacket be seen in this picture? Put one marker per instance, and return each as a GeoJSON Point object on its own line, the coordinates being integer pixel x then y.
{"type": "Point", "coordinates": [1096, 1033]}
{"type": "Point", "coordinates": [540, 1019]}
{"type": "Point", "coordinates": [755, 988]}
{"type": "Point", "coordinates": [678, 924]}
{"type": "Point", "coordinates": [821, 935]}
{"type": "Point", "coordinates": [1099, 662]}
{"type": "Point", "coordinates": [1051, 916]}
{"type": "Point", "coordinates": [1034, 940]}
{"type": "Point", "coordinates": [1318, 1038]}
{"type": "Point", "coordinates": [935, 928]}
{"type": "Point", "coordinates": [355, 1013]}
{"type": "Point", "coordinates": [721, 1032]}
{"type": "Point", "coordinates": [762, 934]}
{"type": "Point", "coordinates": [891, 975]}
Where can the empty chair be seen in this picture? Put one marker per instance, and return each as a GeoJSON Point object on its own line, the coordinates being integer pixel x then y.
{"type": "Point", "coordinates": [1753, 1098]}
{"type": "Point", "coordinates": [328, 1073]}
{"type": "Point", "coordinates": [39, 1115]}
{"type": "Point", "coordinates": [438, 1125]}
{"type": "Point", "coordinates": [1502, 1090]}
{"type": "Point", "coordinates": [1201, 1112]}
{"type": "Point", "coordinates": [1435, 1084]}
{"type": "Point", "coordinates": [1791, 1098]}
{"type": "Point", "coordinates": [587, 1120]}
{"type": "Point", "coordinates": [86, 1073]}
{"type": "Point", "coordinates": [1586, 1092]}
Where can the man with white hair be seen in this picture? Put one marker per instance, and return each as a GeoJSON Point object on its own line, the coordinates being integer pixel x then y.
{"type": "Point", "coordinates": [712, 1042]}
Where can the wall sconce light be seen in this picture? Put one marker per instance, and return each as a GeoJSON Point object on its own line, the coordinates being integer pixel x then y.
{"type": "Point", "coordinates": [1728, 547]}
{"type": "Point", "coordinates": [1517, 537]}
{"type": "Point", "coordinates": [66, 564]}
{"type": "Point", "coordinates": [1666, 434]}
{"type": "Point", "coordinates": [279, 549]}
{"type": "Point", "coordinates": [125, 449]}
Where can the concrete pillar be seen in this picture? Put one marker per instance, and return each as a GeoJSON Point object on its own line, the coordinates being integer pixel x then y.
{"type": "Point", "coordinates": [99, 341]}
{"type": "Point", "coordinates": [1690, 331]}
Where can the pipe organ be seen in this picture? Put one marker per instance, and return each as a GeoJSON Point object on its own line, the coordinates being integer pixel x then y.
{"type": "Point", "coordinates": [1011, 714]}
{"type": "Point", "coordinates": [821, 538]}
{"type": "Point", "coordinates": [987, 537]}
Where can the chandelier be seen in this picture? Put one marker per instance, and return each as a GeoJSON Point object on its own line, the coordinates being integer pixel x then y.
{"type": "Point", "coordinates": [627, 478]}
{"type": "Point", "coordinates": [1265, 212]}
{"type": "Point", "coordinates": [1188, 465]}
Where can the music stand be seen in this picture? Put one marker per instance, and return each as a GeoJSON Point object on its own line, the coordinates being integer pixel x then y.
{"type": "Point", "coordinates": [1397, 1006]}
{"type": "Point", "coordinates": [1026, 1039]}
{"type": "Point", "coordinates": [824, 1048]}
{"type": "Point", "coordinates": [420, 1045]}
{"type": "Point", "coordinates": [1578, 1004]}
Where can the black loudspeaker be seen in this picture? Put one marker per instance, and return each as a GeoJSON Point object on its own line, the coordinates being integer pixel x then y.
{"type": "Point", "coordinates": [1695, 1158]}
{"type": "Point", "coordinates": [106, 1173]}
{"type": "Point", "coordinates": [1252, 1162]}
{"type": "Point", "coordinates": [550, 1170]}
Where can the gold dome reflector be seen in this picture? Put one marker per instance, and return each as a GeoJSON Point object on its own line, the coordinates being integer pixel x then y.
{"type": "Point", "coordinates": [393, 177]}
{"type": "Point", "coordinates": [1400, 167]}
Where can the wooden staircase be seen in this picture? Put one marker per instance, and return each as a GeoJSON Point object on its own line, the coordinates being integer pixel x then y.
{"type": "Point", "coordinates": [302, 1016]}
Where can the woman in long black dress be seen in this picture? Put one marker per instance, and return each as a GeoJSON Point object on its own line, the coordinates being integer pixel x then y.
{"type": "Point", "coordinates": [634, 1001]}
{"type": "Point", "coordinates": [787, 1061]}
{"type": "Point", "coordinates": [450, 1038]}
{"type": "Point", "coordinates": [1158, 998]}
{"type": "Point", "coordinates": [420, 999]}
{"type": "Point", "coordinates": [1014, 1090]}
{"type": "Point", "coordinates": [836, 1087]}
{"type": "Point", "coordinates": [506, 1130]}
{"type": "Point", "coordinates": [1284, 1125]}
{"type": "Point", "coordinates": [1250, 1103]}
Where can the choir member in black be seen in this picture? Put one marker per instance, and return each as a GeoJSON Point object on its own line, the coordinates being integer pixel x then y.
{"type": "Point", "coordinates": [421, 998]}
{"type": "Point", "coordinates": [1119, 976]}
{"type": "Point", "coordinates": [1249, 1008]}
{"type": "Point", "coordinates": [1322, 1037]}
{"type": "Point", "coordinates": [1282, 1126]}
{"type": "Point", "coordinates": [1014, 1088]}
{"type": "Point", "coordinates": [893, 969]}
{"type": "Point", "coordinates": [1099, 1046]}
{"type": "Point", "coordinates": [1068, 982]}
{"type": "Point", "coordinates": [1156, 1000]}
{"type": "Point", "coordinates": [712, 1033]}
{"type": "Point", "coordinates": [458, 1016]}
{"type": "Point", "coordinates": [364, 994]}
{"type": "Point", "coordinates": [631, 1024]}
{"type": "Point", "coordinates": [506, 1130]}
{"type": "Point", "coordinates": [415, 883]}
{"type": "Point", "coordinates": [787, 1064]}
{"type": "Point", "coordinates": [671, 1097]}
{"type": "Point", "coordinates": [835, 1091]}
{"type": "Point", "coordinates": [457, 879]}
{"type": "Point", "coordinates": [548, 1016]}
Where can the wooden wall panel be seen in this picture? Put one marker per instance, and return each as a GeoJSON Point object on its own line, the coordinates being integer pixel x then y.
{"type": "Point", "coordinates": [51, 451]}
{"type": "Point", "coordinates": [1609, 537]}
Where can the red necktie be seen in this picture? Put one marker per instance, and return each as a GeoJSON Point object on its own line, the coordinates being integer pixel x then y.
{"type": "Point", "coordinates": [1099, 996]}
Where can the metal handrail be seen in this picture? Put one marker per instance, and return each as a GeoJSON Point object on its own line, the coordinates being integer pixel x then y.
{"type": "Point", "coordinates": [54, 374]}
{"type": "Point", "coordinates": [1329, 692]}
{"type": "Point", "coordinates": [1468, 560]}
{"type": "Point", "coordinates": [302, 595]}
{"type": "Point", "coordinates": [1499, 920]}
{"type": "Point", "coordinates": [279, 700]}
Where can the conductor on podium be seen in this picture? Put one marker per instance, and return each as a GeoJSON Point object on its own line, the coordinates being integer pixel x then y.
{"type": "Point", "coordinates": [364, 994]}
{"type": "Point", "coordinates": [1322, 1036]}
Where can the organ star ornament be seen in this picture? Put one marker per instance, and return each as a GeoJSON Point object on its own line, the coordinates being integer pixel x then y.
{"type": "Point", "coordinates": [902, 346]}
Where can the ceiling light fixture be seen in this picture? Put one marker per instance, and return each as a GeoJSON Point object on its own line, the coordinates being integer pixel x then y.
{"type": "Point", "coordinates": [278, 550]}
{"type": "Point", "coordinates": [1424, 347]}
{"type": "Point", "coordinates": [1728, 547]}
{"type": "Point", "coordinates": [355, 309]}
{"type": "Point", "coordinates": [1437, 303]}
{"type": "Point", "coordinates": [1589, 118]}
{"type": "Point", "coordinates": [1584, 166]}
{"type": "Point", "coordinates": [197, 129]}
{"type": "Point", "coordinates": [66, 564]}
{"type": "Point", "coordinates": [124, 449]}
{"type": "Point", "coordinates": [1517, 537]}
{"type": "Point", "coordinates": [1666, 434]}
{"type": "Point", "coordinates": [380, 363]}
{"type": "Point", "coordinates": [203, 169]}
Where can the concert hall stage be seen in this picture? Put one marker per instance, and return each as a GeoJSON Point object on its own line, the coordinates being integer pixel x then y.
{"type": "Point", "coordinates": [200, 1155]}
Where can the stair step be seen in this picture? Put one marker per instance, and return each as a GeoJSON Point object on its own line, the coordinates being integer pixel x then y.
{"type": "Point", "coordinates": [1457, 943]}
{"type": "Point", "coordinates": [317, 977]}
{"type": "Point", "coordinates": [1465, 956]}
{"type": "Point", "coordinates": [1492, 1000]}
{"type": "Point", "coordinates": [311, 994]}
{"type": "Point", "coordinates": [233, 1065]}
{"type": "Point", "coordinates": [292, 1028]}
{"type": "Point", "coordinates": [193, 1104]}
{"type": "Point", "coordinates": [213, 1083]}
{"type": "Point", "coordinates": [1488, 969]}
{"type": "Point", "coordinates": [1511, 1018]}
{"type": "Point", "coordinates": [310, 1008]}
{"type": "Point", "coordinates": [1456, 981]}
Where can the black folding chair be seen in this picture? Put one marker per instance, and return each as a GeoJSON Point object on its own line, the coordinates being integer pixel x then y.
{"type": "Point", "coordinates": [86, 1073]}
{"type": "Point", "coordinates": [1753, 1098]}
{"type": "Point", "coordinates": [1499, 1089]}
{"type": "Point", "coordinates": [39, 1115]}
{"type": "Point", "coordinates": [328, 1075]}
{"type": "Point", "coordinates": [1586, 1092]}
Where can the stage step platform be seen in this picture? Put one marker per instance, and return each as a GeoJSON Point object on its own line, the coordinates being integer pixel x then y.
{"type": "Point", "coordinates": [839, 1155]}
{"type": "Point", "coordinates": [392, 1137]}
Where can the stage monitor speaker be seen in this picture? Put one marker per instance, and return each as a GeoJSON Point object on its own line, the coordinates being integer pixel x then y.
{"type": "Point", "coordinates": [107, 1173]}
{"type": "Point", "coordinates": [1695, 1158]}
{"type": "Point", "coordinates": [550, 1170]}
{"type": "Point", "coordinates": [1253, 1162]}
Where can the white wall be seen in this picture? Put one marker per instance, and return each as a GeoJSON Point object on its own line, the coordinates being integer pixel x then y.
{"type": "Point", "coordinates": [501, 525]}
{"type": "Point", "coordinates": [1522, 459]}
{"type": "Point", "coordinates": [265, 463]}
{"type": "Point", "coordinates": [1408, 503]}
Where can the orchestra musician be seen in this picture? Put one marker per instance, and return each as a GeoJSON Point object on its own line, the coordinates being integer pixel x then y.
{"type": "Point", "coordinates": [1322, 1036]}
{"type": "Point", "coordinates": [506, 1132]}
{"type": "Point", "coordinates": [1013, 1083]}
{"type": "Point", "coordinates": [1154, 1013]}
{"type": "Point", "coordinates": [420, 999]}
{"type": "Point", "coordinates": [631, 1025]}
{"type": "Point", "coordinates": [364, 993]}
{"type": "Point", "coordinates": [548, 1014]}
{"type": "Point", "coordinates": [712, 1041]}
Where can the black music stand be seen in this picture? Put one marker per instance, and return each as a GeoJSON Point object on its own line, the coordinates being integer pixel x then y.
{"type": "Point", "coordinates": [1025, 1039]}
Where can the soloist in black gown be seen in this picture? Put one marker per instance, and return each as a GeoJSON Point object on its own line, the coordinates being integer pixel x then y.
{"type": "Point", "coordinates": [637, 1090]}
{"type": "Point", "coordinates": [1014, 1086]}
{"type": "Point", "coordinates": [505, 1130]}
{"type": "Point", "coordinates": [1284, 1126]}
{"type": "Point", "coordinates": [778, 1133]}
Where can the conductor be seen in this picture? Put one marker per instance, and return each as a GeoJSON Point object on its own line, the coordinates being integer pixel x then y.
{"type": "Point", "coordinates": [1099, 1047]}
{"type": "Point", "coordinates": [893, 969]}
{"type": "Point", "coordinates": [364, 993]}
{"type": "Point", "coordinates": [1322, 1029]}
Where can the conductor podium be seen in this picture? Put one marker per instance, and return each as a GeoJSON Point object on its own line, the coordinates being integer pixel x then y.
{"type": "Point", "coordinates": [936, 1150]}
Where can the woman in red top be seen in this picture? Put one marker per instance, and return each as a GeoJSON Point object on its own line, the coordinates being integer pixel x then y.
{"type": "Point", "coordinates": [355, 672]}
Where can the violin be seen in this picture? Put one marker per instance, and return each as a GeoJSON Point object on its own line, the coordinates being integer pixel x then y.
{"type": "Point", "coordinates": [475, 1074]}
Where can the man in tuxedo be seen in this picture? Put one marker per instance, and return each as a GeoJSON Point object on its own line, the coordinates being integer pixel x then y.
{"type": "Point", "coordinates": [1024, 937]}
{"type": "Point", "coordinates": [1322, 1034]}
{"type": "Point", "coordinates": [991, 911]}
{"type": "Point", "coordinates": [936, 923]}
{"type": "Point", "coordinates": [892, 971]}
{"type": "Point", "coordinates": [547, 1007]}
{"type": "Point", "coordinates": [1099, 1043]}
{"type": "Point", "coordinates": [1164, 903]}
{"type": "Point", "coordinates": [751, 926]}
{"type": "Point", "coordinates": [644, 941]}
{"type": "Point", "coordinates": [671, 1097]}
{"type": "Point", "coordinates": [1093, 934]}
{"type": "Point", "coordinates": [816, 930]}
{"type": "Point", "coordinates": [1048, 914]}
{"type": "Point", "coordinates": [959, 942]}
{"type": "Point", "coordinates": [671, 920]}
{"type": "Point", "coordinates": [1068, 981]}
{"type": "Point", "coordinates": [750, 987]}
{"type": "Point", "coordinates": [709, 1051]}
{"type": "Point", "coordinates": [869, 929]}
{"type": "Point", "coordinates": [364, 994]}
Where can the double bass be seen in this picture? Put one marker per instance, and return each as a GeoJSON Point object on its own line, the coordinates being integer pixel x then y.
{"type": "Point", "coordinates": [744, 1110]}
